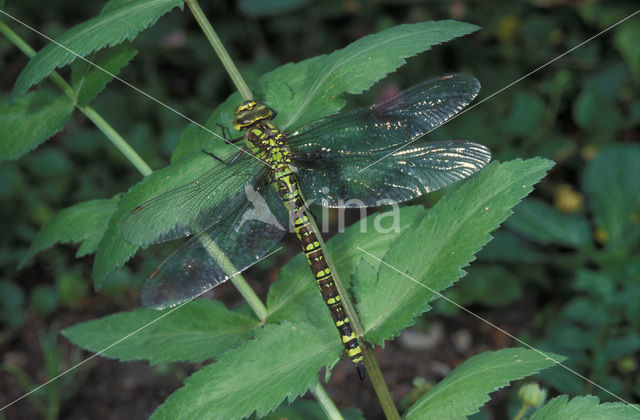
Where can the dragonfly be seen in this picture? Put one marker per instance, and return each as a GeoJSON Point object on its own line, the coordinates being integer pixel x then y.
{"type": "Point", "coordinates": [245, 205]}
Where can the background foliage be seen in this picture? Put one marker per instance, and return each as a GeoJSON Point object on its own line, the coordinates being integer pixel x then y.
{"type": "Point", "coordinates": [565, 266]}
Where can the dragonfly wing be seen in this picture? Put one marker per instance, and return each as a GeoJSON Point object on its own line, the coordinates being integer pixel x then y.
{"type": "Point", "coordinates": [402, 175]}
{"type": "Point", "coordinates": [333, 154]}
{"type": "Point", "coordinates": [239, 241]}
{"type": "Point", "coordinates": [191, 208]}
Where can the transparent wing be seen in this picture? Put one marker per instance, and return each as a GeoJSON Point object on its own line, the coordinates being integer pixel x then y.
{"type": "Point", "coordinates": [333, 154]}
{"type": "Point", "coordinates": [193, 207]}
{"type": "Point", "coordinates": [239, 240]}
{"type": "Point", "coordinates": [401, 176]}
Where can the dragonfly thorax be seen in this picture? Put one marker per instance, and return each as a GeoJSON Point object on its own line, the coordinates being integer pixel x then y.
{"type": "Point", "coordinates": [268, 144]}
{"type": "Point", "coordinates": [264, 139]}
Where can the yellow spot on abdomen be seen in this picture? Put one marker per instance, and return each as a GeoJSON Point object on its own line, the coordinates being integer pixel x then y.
{"type": "Point", "coordinates": [354, 352]}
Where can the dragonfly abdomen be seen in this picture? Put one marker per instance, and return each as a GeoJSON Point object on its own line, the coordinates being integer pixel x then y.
{"type": "Point", "coordinates": [287, 186]}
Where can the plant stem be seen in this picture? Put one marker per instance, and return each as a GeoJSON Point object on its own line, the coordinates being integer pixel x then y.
{"type": "Point", "coordinates": [370, 362]}
{"type": "Point", "coordinates": [250, 296]}
{"type": "Point", "coordinates": [521, 413]}
{"type": "Point", "coordinates": [326, 403]}
{"type": "Point", "coordinates": [215, 42]}
{"type": "Point", "coordinates": [379, 385]}
{"type": "Point", "coordinates": [238, 281]}
{"type": "Point", "coordinates": [16, 40]}
{"type": "Point", "coordinates": [117, 140]}
{"type": "Point", "coordinates": [88, 111]}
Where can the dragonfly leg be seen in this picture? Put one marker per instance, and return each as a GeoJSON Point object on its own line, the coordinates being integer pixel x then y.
{"type": "Point", "coordinates": [224, 135]}
{"type": "Point", "coordinates": [213, 156]}
{"type": "Point", "coordinates": [229, 162]}
{"type": "Point", "coordinates": [240, 152]}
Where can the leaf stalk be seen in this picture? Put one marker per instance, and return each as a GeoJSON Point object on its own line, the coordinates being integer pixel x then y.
{"type": "Point", "coordinates": [222, 53]}
{"type": "Point", "coordinates": [326, 403]}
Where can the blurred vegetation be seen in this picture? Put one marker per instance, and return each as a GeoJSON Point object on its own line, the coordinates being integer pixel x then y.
{"type": "Point", "coordinates": [570, 253]}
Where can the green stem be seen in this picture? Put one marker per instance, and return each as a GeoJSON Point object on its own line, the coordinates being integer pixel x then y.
{"type": "Point", "coordinates": [326, 403]}
{"type": "Point", "coordinates": [16, 40]}
{"type": "Point", "coordinates": [370, 362]}
{"type": "Point", "coordinates": [379, 385]}
{"type": "Point", "coordinates": [521, 413]}
{"type": "Point", "coordinates": [215, 42]}
{"type": "Point", "coordinates": [117, 140]}
{"type": "Point", "coordinates": [250, 296]}
{"type": "Point", "coordinates": [89, 112]}
{"type": "Point", "coordinates": [238, 281]}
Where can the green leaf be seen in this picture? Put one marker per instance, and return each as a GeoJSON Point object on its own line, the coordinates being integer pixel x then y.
{"type": "Point", "coordinates": [562, 380]}
{"type": "Point", "coordinates": [588, 312]}
{"type": "Point", "coordinates": [44, 300]}
{"type": "Point", "coordinates": [313, 88]}
{"type": "Point", "coordinates": [119, 20]}
{"type": "Point", "coordinates": [88, 81]}
{"type": "Point", "coordinates": [317, 84]}
{"type": "Point", "coordinates": [455, 229]}
{"type": "Point", "coordinates": [625, 40]}
{"type": "Point", "coordinates": [526, 114]}
{"type": "Point", "coordinates": [30, 121]}
{"type": "Point", "coordinates": [587, 407]}
{"type": "Point", "coordinates": [83, 223]}
{"type": "Point", "coordinates": [467, 388]}
{"type": "Point", "coordinates": [309, 410]}
{"type": "Point", "coordinates": [194, 138]}
{"type": "Point", "coordinates": [545, 225]}
{"type": "Point", "coordinates": [618, 346]}
{"type": "Point", "coordinates": [594, 112]}
{"type": "Point", "coordinates": [612, 182]}
{"type": "Point", "coordinates": [195, 332]}
{"type": "Point", "coordinates": [240, 382]}
{"type": "Point", "coordinates": [113, 251]}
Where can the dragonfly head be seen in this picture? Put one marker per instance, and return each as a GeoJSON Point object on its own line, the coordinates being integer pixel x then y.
{"type": "Point", "coordinates": [249, 112]}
